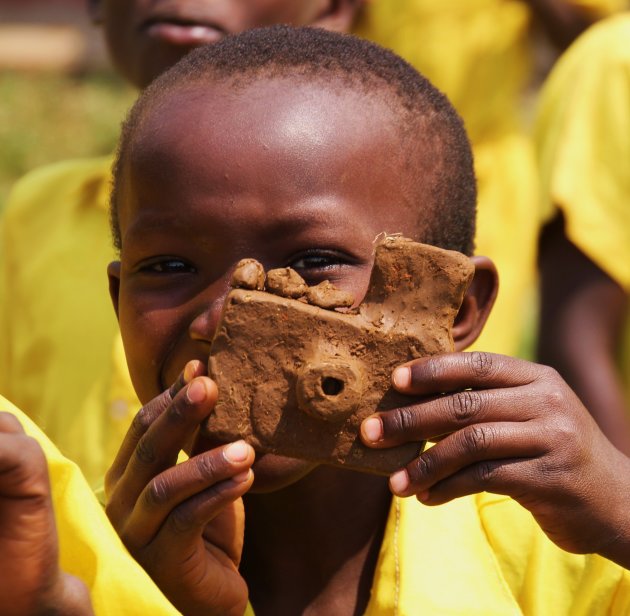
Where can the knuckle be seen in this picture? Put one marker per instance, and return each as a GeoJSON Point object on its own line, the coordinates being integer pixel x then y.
{"type": "Point", "coordinates": [181, 520]}
{"type": "Point", "coordinates": [431, 369]}
{"type": "Point", "coordinates": [423, 466]}
{"type": "Point", "coordinates": [464, 405]}
{"type": "Point", "coordinates": [550, 374]}
{"type": "Point", "coordinates": [486, 472]}
{"type": "Point", "coordinates": [141, 421]}
{"type": "Point", "coordinates": [403, 420]}
{"type": "Point", "coordinates": [145, 453]}
{"type": "Point", "coordinates": [157, 493]}
{"type": "Point", "coordinates": [206, 467]}
{"type": "Point", "coordinates": [477, 439]}
{"type": "Point", "coordinates": [553, 400]}
{"type": "Point", "coordinates": [480, 363]}
{"type": "Point", "coordinates": [175, 413]}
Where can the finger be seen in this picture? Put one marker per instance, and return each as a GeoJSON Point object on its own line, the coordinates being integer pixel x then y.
{"type": "Point", "coordinates": [187, 522]}
{"type": "Point", "coordinates": [466, 447]}
{"type": "Point", "coordinates": [505, 476]}
{"type": "Point", "coordinates": [437, 416]}
{"type": "Point", "coordinates": [10, 424]}
{"type": "Point", "coordinates": [458, 371]}
{"type": "Point", "coordinates": [160, 445]}
{"type": "Point", "coordinates": [145, 418]}
{"type": "Point", "coordinates": [23, 467]}
{"type": "Point", "coordinates": [172, 487]}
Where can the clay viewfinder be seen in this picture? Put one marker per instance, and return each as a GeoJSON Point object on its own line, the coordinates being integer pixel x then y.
{"type": "Point", "coordinates": [298, 370]}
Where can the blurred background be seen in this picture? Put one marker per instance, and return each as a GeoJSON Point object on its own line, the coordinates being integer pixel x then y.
{"type": "Point", "coordinates": [58, 97]}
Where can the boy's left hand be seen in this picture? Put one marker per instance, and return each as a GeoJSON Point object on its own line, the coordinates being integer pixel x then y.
{"type": "Point", "coordinates": [31, 581]}
{"type": "Point", "coordinates": [511, 427]}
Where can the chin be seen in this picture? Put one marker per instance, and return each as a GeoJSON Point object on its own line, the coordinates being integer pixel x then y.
{"type": "Point", "coordinates": [273, 473]}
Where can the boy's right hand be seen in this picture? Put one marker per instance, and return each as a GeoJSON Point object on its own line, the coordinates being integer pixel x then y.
{"type": "Point", "coordinates": [183, 523]}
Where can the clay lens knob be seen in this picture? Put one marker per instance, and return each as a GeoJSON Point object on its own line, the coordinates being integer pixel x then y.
{"type": "Point", "coordinates": [329, 390]}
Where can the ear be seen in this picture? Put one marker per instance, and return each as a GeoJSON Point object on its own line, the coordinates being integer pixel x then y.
{"type": "Point", "coordinates": [113, 274]}
{"type": "Point", "coordinates": [339, 15]}
{"type": "Point", "coordinates": [94, 8]}
{"type": "Point", "coordinates": [477, 304]}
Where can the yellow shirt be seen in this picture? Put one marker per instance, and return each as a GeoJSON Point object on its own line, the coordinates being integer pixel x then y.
{"type": "Point", "coordinates": [88, 546]}
{"type": "Point", "coordinates": [485, 555]}
{"type": "Point", "coordinates": [61, 360]}
{"type": "Point", "coordinates": [583, 140]}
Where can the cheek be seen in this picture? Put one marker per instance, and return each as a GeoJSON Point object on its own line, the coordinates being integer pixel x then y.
{"type": "Point", "coordinates": [149, 338]}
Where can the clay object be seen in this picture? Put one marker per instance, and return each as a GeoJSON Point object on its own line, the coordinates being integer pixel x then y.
{"type": "Point", "coordinates": [326, 295]}
{"type": "Point", "coordinates": [286, 282]}
{"type": "Point", "coordinates": [248, 274]}
{"type": "Point", "coordinates": [298, 380]}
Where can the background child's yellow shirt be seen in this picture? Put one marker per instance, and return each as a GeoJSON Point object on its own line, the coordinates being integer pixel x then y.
{"type": "Point", "coordinates": [61, 359]}
{"type": "Point", "coordinates": [89, 548]}
{"type": "Point", "coordinates": [583, 143]}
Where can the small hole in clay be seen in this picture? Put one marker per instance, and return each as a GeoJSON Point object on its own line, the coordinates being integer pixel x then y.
{"type": "Point", "coordinates": [332, 386]}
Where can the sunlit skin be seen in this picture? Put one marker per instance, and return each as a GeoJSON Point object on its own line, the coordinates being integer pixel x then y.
{"type": "Point", "coordinates": [146, 37]}
{"type": "Point", "coordinates": [299, 173]}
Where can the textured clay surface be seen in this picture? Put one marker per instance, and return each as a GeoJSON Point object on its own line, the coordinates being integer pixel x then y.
{"type": "Point", "coordinates": [297, 379]}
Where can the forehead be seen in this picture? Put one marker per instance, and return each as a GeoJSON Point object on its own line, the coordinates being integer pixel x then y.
{"type": "Point", "coordinates": [278, 141]}
{"type": "Point", "coordinates": [280, 114]}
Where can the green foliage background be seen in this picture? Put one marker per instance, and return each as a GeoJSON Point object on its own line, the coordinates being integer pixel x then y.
{"type": "Point", "coordinates": [46, 117]}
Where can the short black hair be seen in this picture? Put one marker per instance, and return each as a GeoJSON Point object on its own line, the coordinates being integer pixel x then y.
{"type": "Point", "coordinates": [428, 120]}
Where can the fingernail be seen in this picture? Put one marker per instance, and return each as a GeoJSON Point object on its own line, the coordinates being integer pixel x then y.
{"type": "Point", "coordinates": [372, 429]}
{"type": "Point", "coordinates": [423, 497]}
{"type": "Point", "coordinates": [402, 377]}
{"type": "Point", "coordinates": [189, 371]}
{"type": "Point", "coordinates": [242, 477]}
{"type": "Point", "coordinates": [237, 452]}
{"type": "Point", "coordinates": [196, 392]}
{"type": "Point", "coordinates": [399, 482]}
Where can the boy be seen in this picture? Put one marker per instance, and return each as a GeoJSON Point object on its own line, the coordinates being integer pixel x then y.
{"type": "Point", "coordinates": [74, 565]}
{"type": "Point", "coordinates": [297, 148]}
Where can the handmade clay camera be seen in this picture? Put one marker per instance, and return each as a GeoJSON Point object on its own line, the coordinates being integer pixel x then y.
{"type": "Point", "coordinates": [298, 369]}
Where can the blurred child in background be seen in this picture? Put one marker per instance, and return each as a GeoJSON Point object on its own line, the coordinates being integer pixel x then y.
{"type": "Point", "coordinates": [583, 141]}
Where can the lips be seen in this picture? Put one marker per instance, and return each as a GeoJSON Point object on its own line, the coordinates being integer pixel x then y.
{"type": "Point", "coordinates": [186, 34]}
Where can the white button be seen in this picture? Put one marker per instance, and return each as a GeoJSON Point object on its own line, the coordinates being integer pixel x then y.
{"type": "Point", "coordinates": [118, 409]}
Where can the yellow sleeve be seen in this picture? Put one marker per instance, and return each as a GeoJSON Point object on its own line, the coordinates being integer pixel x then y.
{"type": "Point", "coordinates": [88, 545]}
{"type": "Point", "coordinates": [597, 9]}
{"type": "Point", "coordinates": [583, 145]}
{"type": "Point", "coordinates": [546, 579]}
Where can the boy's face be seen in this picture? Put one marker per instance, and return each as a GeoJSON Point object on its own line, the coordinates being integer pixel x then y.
{"type": "Point", "coordinates": [146, 37]}
{"type": "Point", "coordinates": [302, 175]}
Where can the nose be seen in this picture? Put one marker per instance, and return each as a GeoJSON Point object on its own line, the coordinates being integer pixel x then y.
{"type": "Point", "coordinates": [204, 324]}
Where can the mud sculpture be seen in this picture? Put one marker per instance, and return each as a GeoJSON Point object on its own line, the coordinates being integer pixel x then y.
{"type": "Point", "coordinates": [297, 379]}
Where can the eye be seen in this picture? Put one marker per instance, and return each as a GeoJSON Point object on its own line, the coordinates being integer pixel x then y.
{"type": "Point", "coordinates": [167, 265]}
{"type": "Point", "coordinates": [316, 265]}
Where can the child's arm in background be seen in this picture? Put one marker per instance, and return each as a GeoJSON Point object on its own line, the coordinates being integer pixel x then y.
{"type": "Point", "coordinates": [516, 428]}
{"type": "Point", "coordinates": [31, 581]}
{"type": "Point", "coordinates": [577, 296]}
{"type": "Point", "coordinates": [183, 523]}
